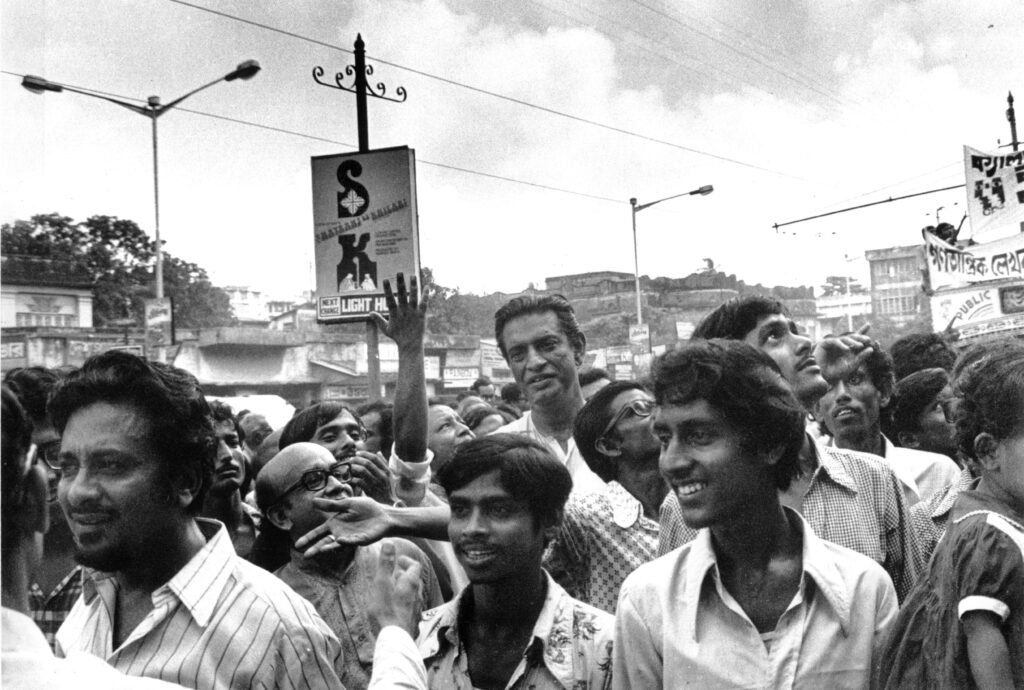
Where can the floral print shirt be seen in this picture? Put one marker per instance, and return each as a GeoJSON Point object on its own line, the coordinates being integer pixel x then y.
{"type": "Point", "coordinates": [571, 647]}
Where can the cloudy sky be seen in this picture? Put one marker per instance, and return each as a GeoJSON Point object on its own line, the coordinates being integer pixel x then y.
{"type": "Point", "coordinates": [533, 122]}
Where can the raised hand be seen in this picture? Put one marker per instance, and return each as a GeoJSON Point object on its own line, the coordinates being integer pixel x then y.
{"type": "Point", "coordinates": [357, 520]}
{"type": "Point", "coordinates": [407, 313]}
{"type": "Point", "coordinates": [371, 474]}
{"type": "Point", "coordinates": [396, 597]}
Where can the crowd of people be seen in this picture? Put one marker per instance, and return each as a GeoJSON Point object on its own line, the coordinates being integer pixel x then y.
{"type": "Point", "coordinates": [760, 510]}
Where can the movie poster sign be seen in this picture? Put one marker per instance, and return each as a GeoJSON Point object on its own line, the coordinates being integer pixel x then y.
{"type": "Point", "coordinates": [364, 229]}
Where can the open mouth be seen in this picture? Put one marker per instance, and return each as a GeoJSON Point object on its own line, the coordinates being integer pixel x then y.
{"type": "Point", "coordinates": [689, 489]}
{"type": "Point", "coordinates": [844, 413]}
{"type": "Point", "coordinates": [477, 555]}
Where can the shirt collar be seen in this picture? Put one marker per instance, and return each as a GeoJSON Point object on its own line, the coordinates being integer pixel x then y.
{"type": "Point", "coordinates": [626, 510]}
{"type": "Point", "coordinates": [200, 583]}
{"type": "Point", "coordinates": [902, 470]}
{"type": "Point", "coordinates": [552, 631]}
{"type": "Point", "coordinates": [832, 467]}
{"type": "Point", "coordinates": [964, 481]}
{"type": "Point", "coordinates": [817, 563]}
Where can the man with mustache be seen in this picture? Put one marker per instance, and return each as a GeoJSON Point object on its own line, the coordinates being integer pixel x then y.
{"type": "Point", "coordinates": [164, 595]}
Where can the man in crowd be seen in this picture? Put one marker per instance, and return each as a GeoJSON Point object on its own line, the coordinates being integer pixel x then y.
{"type": "Point", "coordinates": [483, 388]}
{"type": "Point", "coordinates": [512, 394]}
{"type": "Point", "coordinates": [756, 600]}
{"type": "Point", "coordinates": [377, 418]}
{"type": "Point", "coordinates": [851, 499]}
{"type": "Point", "coordinates": [859, 390]}
{"type": "Point", "coordinates": [56, 580]}
{"type": "Point", "coordinates": [921, 413]}
{"type": "Point", "coordinates": [27, 661]}
{"type": "Point", "coordinates": [592, 380]}
{"type": "Point", "coordinates": [224, 499]}
{"type": "Point", "coordinates": [513, 625]}
{"type": "Point", "coordinates": [544, 346]}
{"type": "Point", "coordinates": [253, 429]}
{"type": "Point", "coordinates": [605, 536]}
{"type": "Point", "coordinates": [164, 595]}
{"type": "Point", "coordinates": [338, 583]}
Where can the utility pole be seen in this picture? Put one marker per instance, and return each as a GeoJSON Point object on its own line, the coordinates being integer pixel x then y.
{"type": "Point", "coordinates": [1013, 121]}
{"type": "Point", "coordinates": [361, 88]}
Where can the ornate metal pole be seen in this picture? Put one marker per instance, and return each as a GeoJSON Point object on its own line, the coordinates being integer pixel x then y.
{"type": "Point", "coordinates": [361, 88]}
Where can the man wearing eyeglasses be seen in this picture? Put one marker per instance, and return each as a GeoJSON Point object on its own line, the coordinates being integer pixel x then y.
{"type": "Point", "coordinates": [606, 535]}
{"type": "Point", "coordinates": [337, 582]}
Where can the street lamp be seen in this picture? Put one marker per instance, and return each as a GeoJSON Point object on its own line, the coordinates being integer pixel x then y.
{"type": "Point", "coordinates": [153, 109]}
{"type": "Point", "coordinates": [703, 191]}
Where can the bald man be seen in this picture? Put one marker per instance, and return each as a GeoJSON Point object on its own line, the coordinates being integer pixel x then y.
{"type": "Point", "coordinates": [338, 582]}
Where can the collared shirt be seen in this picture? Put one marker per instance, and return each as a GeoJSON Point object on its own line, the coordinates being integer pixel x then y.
{"type": "Point", "coordinates": [570, 648]}
{"type": "Point", "coordinates": [583, 478]}
{"type": "Point", "coordinates": [929, 518]}
{"type": "Point", "coordinates": [50, 612]}
{"type": "Point", "coordinates": [396, 662]}
{"type": "Point", "coordinates": [340, 599]}
{"type": "Point", "coordinates": [676, 622]}
{"type": "Point", "coordinates": [854, 500]}
{"type": "Point", "coordinates": [603, 538]}
{"type": "Point", "coordinates": [921, 472]}
{"type": "Point", "coordinates": [219, 622]}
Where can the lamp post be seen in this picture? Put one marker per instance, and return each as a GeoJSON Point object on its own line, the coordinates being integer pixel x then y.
{"type": "Point", "coordinates": [153, 110]}
{"type": "Point", "coordinates": [703, 191]}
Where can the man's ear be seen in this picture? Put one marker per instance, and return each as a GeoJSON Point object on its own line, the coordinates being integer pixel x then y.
{"type": "Point", "coordinates": [580, 349]}
{"type": "Point", "coordinates": [278, 517]}
{"type": "Point", "coordinates": [608, 447]}
{"type": "Point", "coordinates": [772, 456]}
{"type": "Point", "coordinates": [185, 487]}
{"type": "Point", "coordinates": [986, 448]}
{"type": "Point", "coordinates": [908, 439]}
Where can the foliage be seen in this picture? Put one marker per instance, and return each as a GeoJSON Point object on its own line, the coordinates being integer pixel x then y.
{"type": "Point", "coordinates": [118, 257]}
{"type": "Point", "coordinates": [451, 312]}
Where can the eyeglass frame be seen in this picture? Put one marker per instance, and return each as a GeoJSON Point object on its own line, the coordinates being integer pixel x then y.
{"type": "Point", "coordinates": [949, 409]}
{"type": "Point", "coordinates": [48, 449]}
{"type": "Point", "coordinates": [327, 472]}
{"type": "Point", "coordinates": [631, 406]}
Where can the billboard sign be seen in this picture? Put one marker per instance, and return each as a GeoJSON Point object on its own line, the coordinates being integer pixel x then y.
{"type": "Point", "coordinates": [364, 229]}
{"type": "Point", "coordinates": [995, 193]}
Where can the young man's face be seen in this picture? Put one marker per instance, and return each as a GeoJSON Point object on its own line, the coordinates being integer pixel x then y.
{"type": "Point", "coordinates": [343, 436]}
{"type": "Point", "coordinates": [495, 536]}
{"type": "Point", "coordinates": [229, 466]}
{"type": "Point", "coordinates": [851, 405]}
{"type": "Point", "coordinates": [486, 393]}
{"type": "Point", "coordinates": [115, 494]}
{"type": "Point", "coordinates": [542, 359]}
{"type": "Point", "coordinates": [934, 434]}
{"type": "Point", "coordinates": [708, 470]}
{"type": "Point", "coordinates": [371, 423]}
{"type": "Point", "coordinates": [445, 432]}
{"type": "Point", "coordinates": [776, 335]}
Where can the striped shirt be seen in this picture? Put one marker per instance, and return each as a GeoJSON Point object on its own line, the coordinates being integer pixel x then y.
{"type": "Point", "coordinates": [220, 622]}
{"type": "Point", "coordinates": [854, 500]}
{"type": "Point", "coordinates": [50, 612]}
{"type": "Point", "coordinates": [603, 538]}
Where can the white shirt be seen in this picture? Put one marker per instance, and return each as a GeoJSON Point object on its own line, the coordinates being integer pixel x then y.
{"type": "Point", "coordinates": [396, 662]}
{"type": "Point", "coordinates": [922, 473]}
{"type": "Point", "coordinates": [583, 478]}
{"type": "Point", "coordinates": [675, 620]}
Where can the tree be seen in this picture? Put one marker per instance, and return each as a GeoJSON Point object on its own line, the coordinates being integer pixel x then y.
{"type": "Point", "coordinates": [118, 256]}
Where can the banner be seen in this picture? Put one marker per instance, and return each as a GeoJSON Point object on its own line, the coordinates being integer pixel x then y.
{"type": "Point", "coordinates": [949, 266]}
{"type": "Point", "coordinates": [995, 193]}
{"type": "Point", "coordinates": [364, 229]}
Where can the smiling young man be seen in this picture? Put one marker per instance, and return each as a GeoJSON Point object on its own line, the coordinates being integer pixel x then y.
{"type": "Point", "coordinates": [513, 626]}
{"type": "Point", "coordinates": [339, 582]}
{"type": "Point", "coordinates": [857, 396]}
{"type": "Point", "coordinates": [544, 346]}
{"type": "Point", "coordinates": [164, 595]}
{"type": "Point", "coordinates": [756, 600]}
{"type": "Point", "coordinates": [849, 498]}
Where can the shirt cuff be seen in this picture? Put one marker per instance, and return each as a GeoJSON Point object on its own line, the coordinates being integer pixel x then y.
{"type": "Point", "coordinates": [418, 472]}
{"type": "Point", "coordinates": [397, 662]}
{"type": "Point", "coordinates": [979, 603]}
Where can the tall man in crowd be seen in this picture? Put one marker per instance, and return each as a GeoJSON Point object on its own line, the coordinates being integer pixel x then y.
{"type": "Point", "coordinates": [164, 595]}
{"type": "Point", "coordinates": [757, 599]}
{"type": "Point", "coordinates": [606, 535]}
{"type": "Point", "coordinates": [337, 583]}
{"type": "Point", "coordinates": [849, 498]}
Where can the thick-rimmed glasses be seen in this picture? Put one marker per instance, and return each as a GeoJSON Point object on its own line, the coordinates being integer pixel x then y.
{"type": "Point", "coordinates": [641, 407]}
{"type": "Point", "coordinates": [949, 407]}
{"type": "Point", "coordinates": [315, 480]}
{"type": "Point", "coordinates": [49, 453]}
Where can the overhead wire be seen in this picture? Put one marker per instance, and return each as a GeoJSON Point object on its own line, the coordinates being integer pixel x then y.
{"type": "Point", "coordinates": [493, 94]}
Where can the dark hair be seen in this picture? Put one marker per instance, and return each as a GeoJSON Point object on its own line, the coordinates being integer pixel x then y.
{"type": "Point", "coordinates": [918, 351]}
{"type": "Point", "coordinates": [591, 420]}
{"type": "Point", "coordinates": [527, 470]}
{"type": "Point", "coordinates": [479, 413]}
{"type": "Point", "coordinates": [222, 412]}
{"type": "Point", "coordinates": [746, 386]}
{"type": "Point", "coordinates": [480, 383]}
{"type": "Point", "coordinates": [879, 367]}
{"type": "Point", "coordinates": [592, 374]}
{"type": "Point", "coordinates": [512, 393]}
{"type": "Point", "coordinates": [32, 386]}
{"type": "Point", "coordinates": [386, 410]}
{"type": "Point", "coordinates": [510, 412]}
{"type": "Point", "coordinates": [911, 396]}
{"type": "Point", "coordinates": [992, 398]}
{"type": "Point", "coordinates": [17, 437]}
{"type": "Point", "coordinates": [734, 319]}
{"type": "Point", "coordinates": [533, 304]}
{"type": "Point", "coordinates": [180, 422]}
{"type": "Point", "coordinates": [302, 427]}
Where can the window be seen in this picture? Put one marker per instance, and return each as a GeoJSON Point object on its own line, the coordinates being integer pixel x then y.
{"type": "Point", "coordinates": [31, 319]}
